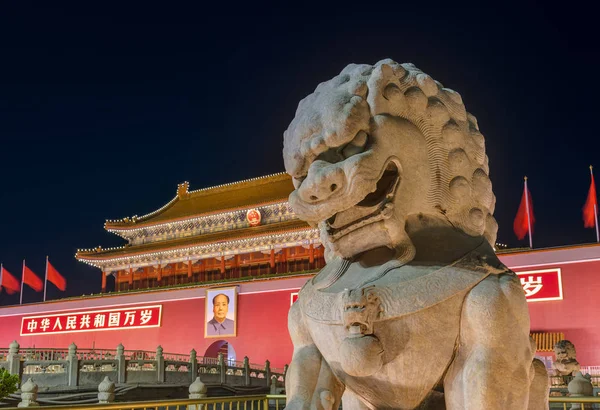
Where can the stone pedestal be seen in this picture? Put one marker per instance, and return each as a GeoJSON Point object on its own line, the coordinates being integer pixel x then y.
{"type": "Point", "coordinates": [197, 390]}
{"type": "Point", "coordinates": [106, 391]}
{"type": "Point", "coordinates": [29, 394]}
{"type": "Point", "coordinates": [580, 386]}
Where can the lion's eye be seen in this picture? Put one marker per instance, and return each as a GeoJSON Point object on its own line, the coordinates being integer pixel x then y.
{"type": "Point", "coordinates": [356, 146]}
{"type": "Point", "coordinates": [332, 156]}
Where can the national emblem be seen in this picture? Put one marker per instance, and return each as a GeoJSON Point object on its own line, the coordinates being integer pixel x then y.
{"type": "Point", "coordinates": [253, 217]}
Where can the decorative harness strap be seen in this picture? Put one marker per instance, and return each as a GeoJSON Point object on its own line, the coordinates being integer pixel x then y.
{"type": "Point", "coordinates": [398, 299]}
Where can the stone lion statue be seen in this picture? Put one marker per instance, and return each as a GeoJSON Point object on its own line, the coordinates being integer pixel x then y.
{"type": "Point", "coordinates": [566, 363]}
{"type": "Point", "coordinates": [413, 309]}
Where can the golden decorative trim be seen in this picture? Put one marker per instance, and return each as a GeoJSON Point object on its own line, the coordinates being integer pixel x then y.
{"type": "Point", "coordinates": [545, 341]}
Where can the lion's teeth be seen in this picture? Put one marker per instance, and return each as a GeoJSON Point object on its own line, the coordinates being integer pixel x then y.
{"type": "Point", "coordinates": [385, 213]}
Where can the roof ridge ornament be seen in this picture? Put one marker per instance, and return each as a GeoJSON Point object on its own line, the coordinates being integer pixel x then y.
{"type": "Point", "coordinates": [183, 190]}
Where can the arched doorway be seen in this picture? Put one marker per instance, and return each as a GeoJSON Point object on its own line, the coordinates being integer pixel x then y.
{"type": "Point", "coordinates": [221, 346]}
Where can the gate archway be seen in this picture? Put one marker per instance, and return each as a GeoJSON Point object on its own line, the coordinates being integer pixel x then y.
{"type": "Point", "coordinates": [221, 346]}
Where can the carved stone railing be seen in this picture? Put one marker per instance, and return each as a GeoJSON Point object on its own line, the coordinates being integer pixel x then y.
{"type": "Point", "coordinates": [563, 381]}
{"type": "Point", "coordinates": [86, 367]}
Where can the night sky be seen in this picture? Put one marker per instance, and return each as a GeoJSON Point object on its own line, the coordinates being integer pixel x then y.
{"type": "Point", "coordinates": [103, 112]}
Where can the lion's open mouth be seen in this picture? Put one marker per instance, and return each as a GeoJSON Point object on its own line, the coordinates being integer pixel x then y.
{"type": "Point", "coordinates": [374, 207]}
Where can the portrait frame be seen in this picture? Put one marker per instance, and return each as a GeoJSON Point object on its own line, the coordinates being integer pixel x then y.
{"type": "Point", "coordinates": [232, 293]}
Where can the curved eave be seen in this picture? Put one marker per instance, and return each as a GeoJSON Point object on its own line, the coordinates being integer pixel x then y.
{"type": "Point", "coordinates": [122, 230]}
{"type": "Point", "coordinates": [126, 223]}
{"type": "Point", "coordinates": [97, 258]}
{"type": "Point", "coordinates": [246, 194]}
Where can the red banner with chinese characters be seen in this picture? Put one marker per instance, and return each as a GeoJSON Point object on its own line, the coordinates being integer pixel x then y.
{"type": "Point", "coordinates": [541, 285]}
{"type": "Point", "coordinates": [92, 320]}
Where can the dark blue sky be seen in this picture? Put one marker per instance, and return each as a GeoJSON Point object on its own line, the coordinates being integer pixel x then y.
{"type": "Point", "coordinates": [104, 111]}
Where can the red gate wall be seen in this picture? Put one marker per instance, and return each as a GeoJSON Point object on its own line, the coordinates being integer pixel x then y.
{"type": "Point", "coordinates": [577, 314]}
{"type": "Point", "coordinates": [263, 306]}
{"type": "Point", "coordinates": [261, 324]}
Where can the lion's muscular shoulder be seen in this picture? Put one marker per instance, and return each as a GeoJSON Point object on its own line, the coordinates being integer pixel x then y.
{"type": "Point", "coordinates": [495, 308]}
{"type": "Point", "coordinates": [297, 327]}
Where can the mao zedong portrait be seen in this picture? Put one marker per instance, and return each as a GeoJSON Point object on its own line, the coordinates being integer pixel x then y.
{"type": "Point", "coordinates": [220, 324]}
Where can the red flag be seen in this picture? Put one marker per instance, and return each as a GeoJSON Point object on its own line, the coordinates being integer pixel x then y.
{"type": "Point", "coordinates": [589, 211]}
{"type": "Point", "coordinates": [9, 282]}
{"type": "Point", "coordinates": [31, 279]}
{"type": "Point", "coordinates": [522, 222]}
{"type": "Point", "coordinates": [55, 277]}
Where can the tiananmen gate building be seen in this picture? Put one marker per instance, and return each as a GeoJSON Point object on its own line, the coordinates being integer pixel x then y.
{"type": "Point", "coordinates": [217, 269]}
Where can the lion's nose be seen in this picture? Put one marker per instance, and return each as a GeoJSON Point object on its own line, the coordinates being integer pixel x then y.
{"type": "Point", "coordinates": [321, 183]}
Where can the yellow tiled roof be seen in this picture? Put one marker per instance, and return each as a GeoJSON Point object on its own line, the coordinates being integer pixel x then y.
{"type": "Point", "coordinates": [243, 194]}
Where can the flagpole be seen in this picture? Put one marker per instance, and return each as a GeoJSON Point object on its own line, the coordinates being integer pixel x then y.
{"type": "Point", "coordinates": [528, 214]}
{"type": "Point", "coordinates": [22, 279]}
{"type": "Point", "coordinates": [46, 278]}
{"type": "Point", "coordinates": [595, 208]}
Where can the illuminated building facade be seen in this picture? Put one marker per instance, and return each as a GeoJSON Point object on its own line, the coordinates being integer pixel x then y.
{"type": "Point", "coordinates": [243, 229]}
{"type": "Point", "coordinates": [245, 239]}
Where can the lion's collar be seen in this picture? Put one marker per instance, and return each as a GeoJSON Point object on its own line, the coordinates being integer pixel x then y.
{"type": "Point", "coordinates": [480, 255]}
{"type": "Point", "coordinates": [421, 286]}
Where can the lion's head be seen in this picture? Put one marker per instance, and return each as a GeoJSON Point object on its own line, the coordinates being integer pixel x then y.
{"type": "Point", "coordinates": [564, 350]}
{"type": "Point", "coordinates": [378, 144]}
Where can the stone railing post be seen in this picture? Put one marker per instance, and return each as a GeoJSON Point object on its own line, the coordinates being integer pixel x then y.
{"type": "Point", "coordinates": [268, 371]}
{"type": "Point", "coordinates": [273, 387]}
{"type": "Point", "coordinates": [193, 365]}
{"type": "Point", "coordinates": [14, 360]}
{"type": "Point", "coordinates": [246, 371]}
{"type": "Point", "coordinates": [73, 364]}
{"type": "Point", "coordinates": [106, 391]}
{"type": "Point", "coordinates": [28, 394]}
{"type": "Point", "coordinates": [222, 368]}
{"type": "Point", "coordinates": [197, 391]}
{"type": "Point", "coordinates": [160, 365]}
{"type": "Point", "coordinates": [121, 364]}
